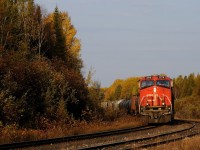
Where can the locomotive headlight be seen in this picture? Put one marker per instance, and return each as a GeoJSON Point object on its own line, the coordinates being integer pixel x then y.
{"type": "Point", "coordinates": [169, 109]}
{"type": "Point", "coordinates": [163, 103]}
{"type": "Point", "coordinates": [154, 89]}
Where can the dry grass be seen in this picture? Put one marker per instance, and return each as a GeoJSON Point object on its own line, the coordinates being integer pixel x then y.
{"type": "Point", "coordinates": [186, 144]}
{"type": "Point", "coordinates": [12, 134]}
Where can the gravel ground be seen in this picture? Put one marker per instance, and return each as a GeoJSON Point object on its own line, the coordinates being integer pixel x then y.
{"type": "Point", "coordinates": [123, 137]}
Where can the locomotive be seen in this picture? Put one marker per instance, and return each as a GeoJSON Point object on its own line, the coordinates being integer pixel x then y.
{"type": "Point", "coordinates": [156, 102]}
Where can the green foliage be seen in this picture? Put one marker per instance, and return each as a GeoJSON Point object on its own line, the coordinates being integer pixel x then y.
{"type": "Point", "coordinates": [60, 46]}
{"type": "Point", "coordinates": [187, 96]}
{"type": "Point", "coordinates": [196, 90]}
{"type": "Point", "coordinates": [187, 86]}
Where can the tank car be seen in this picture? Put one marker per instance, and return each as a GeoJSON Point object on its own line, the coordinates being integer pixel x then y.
{"type": "Point", "coordinates": [130, 105]}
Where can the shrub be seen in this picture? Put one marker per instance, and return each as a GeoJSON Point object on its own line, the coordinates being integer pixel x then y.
{"type": "Point", "coordinates": [188, 107]}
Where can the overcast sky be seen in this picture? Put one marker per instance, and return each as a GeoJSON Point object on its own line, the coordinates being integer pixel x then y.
{"type": "Point", "coordinates": [126, 38]}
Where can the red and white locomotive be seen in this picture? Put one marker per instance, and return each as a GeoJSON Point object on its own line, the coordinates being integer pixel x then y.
{"type": "Point", "coordinates": [156, 101]}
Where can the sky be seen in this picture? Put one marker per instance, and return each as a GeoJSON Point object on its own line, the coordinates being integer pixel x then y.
{"type": "Point", "coordinates": [129, 38]}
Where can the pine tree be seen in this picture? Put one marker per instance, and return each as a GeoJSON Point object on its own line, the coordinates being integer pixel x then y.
{"type": "Point", "coordinates": [60, 45]}
{"type": "Point", "coordinates": [191, 84]}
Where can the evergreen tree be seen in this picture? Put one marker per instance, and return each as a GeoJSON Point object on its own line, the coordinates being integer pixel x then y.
{"type": "Point", "coordinates": [185, 87]}
{"type": "Point", "coordinates": [196, 90]}
{"type": "Point", "coordinates": [178, 86]}
{"type": "Point", "coordinates": [60, 45]}
{"type": "Point", "coordinates": [191, 84]}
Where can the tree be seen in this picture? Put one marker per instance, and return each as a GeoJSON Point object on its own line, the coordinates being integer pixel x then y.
{"type": "Point", "coordinates": [117, 93]}
{"type": "Point", "coordinates": [129, 86]}
{"type": "Point", "coordinates": [191, 84]}
{"type": "Point", "coordinates": [41, 25]}
{"type": "Point", "coordinates": [60, 45]}
{"type": "Point", "coordinates": [196, 90]}
{"type": "Point", "coordinates": [178, 85]}
{"type": "Point", "coordinates": [8, 18]}
{"type": "Point", "coordinates": [73, 45]}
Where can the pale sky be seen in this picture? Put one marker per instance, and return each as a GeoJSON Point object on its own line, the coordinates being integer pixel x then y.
{"type": "Point", "coordinates": [127, 38]}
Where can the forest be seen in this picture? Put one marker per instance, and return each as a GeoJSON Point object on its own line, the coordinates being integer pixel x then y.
{"type": "Point", "coordinates": [40, 67]}
{"type": "Point", "coordinates": [41, 79]}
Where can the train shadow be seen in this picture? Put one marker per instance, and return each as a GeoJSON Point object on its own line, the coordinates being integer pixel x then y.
{"type": "Point", "coordinates": [171, 123]}
{"type": "Point", "coordinates": [174, 122]}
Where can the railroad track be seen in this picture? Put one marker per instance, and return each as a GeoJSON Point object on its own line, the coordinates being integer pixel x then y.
{"type": "Point", "coordinates": [154, 140]}
{"type": "Point", "coordinates": [73, 138]}
{"type": "Point", "coordinates": [193, 128]}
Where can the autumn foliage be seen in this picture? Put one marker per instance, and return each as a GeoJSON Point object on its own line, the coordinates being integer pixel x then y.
{"type": "Point", "coordinates": [122, 89]}
{"type": "Point", "coordinates": [40, 67]}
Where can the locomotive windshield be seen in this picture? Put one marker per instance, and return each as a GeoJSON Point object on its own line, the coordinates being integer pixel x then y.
{"type": "Point", "coordinates": [147, 83]}
{"type": "Point", "coordinates": [164, 83]}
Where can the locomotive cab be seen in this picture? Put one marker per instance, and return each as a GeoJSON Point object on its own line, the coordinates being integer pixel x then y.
{"type": "Point", "coordinates": [156, 101]}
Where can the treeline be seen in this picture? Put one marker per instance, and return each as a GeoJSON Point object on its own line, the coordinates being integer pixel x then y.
{"type": "Point", "coordinates": [122, 89]}
{"type": "Point", "coordinates": [183, 87]}
{"type": "Point", "coordinates": [187, 96]}
{"type": "Point", "coordinates": [40, 66]}
{"type": "Point", "coordinates": [187, 86]}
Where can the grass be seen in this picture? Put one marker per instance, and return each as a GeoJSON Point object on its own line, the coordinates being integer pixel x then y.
{"type": "Point", "coordinates": [186, 144]}
{"type": "Point", "coordinates": [10, 134]}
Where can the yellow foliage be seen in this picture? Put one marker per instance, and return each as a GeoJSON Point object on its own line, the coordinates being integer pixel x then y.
{"type": "Point", "coordinates": [128, 88]}
{"type": "Point", "coordinates": [110, 91]}
{"type": "Point", "coordinates": [72, 43]}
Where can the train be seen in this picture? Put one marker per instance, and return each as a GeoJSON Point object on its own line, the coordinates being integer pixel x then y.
{"type": "Point", "coordinates": [154, 102]}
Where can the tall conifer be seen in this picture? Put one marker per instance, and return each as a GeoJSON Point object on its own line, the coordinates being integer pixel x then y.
{"type": "Point", "coordinates": [60, 46]}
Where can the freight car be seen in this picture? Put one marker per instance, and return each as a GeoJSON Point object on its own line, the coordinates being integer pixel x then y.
{"type": "Point", "coordinates": [131, 105]}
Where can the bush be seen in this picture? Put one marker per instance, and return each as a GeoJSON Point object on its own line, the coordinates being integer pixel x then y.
{"type": "Point", "coordinates": [188, 107]}
{"type": "Point", "coordinates": [30, 90]}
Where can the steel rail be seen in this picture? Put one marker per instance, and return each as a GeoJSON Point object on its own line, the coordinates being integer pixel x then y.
{"type": "Point", "coordinates": [73, 138]}
{"type": "Point", "coordinates": [172, 139]}
{"type": "Point", "coordinates": [166, 141]}
{"type": "Point", "coordinates": [136, 140]}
